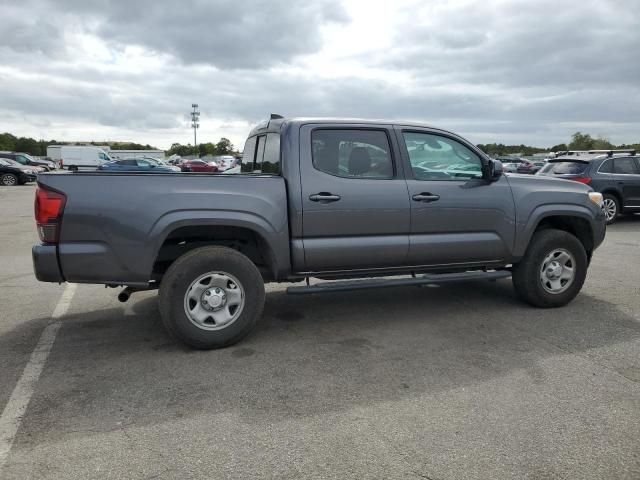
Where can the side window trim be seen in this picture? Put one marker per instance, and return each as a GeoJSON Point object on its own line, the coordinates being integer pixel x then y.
{"type": "Point", "coordinates": [393, 156]}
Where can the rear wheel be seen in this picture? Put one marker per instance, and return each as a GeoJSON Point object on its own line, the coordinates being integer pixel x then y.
{"type": "Point", "coordinates": [552, 271]}
{"type": "Point", "coordinates": [211, 297]}
{"type": "Point", "coordinates": [8, 180]}
{"type": "Point", "coordinates": [611, 207]}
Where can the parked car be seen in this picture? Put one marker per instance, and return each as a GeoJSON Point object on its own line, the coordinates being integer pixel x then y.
{"type": "Point", "coordinates": [316, 203]}
{"type": "Point", "coordinates": [614, 174]}
{"type": "Point", "coordinates": [198, 166]}
{"type": "Point", "coordinates": [28, 161]}
{"type": "Point", "coordinates": [510, 164]}
{"type": "Point", "coordinates": [225, 162]}
{"type": "Point", "coordinates": [12, 173]}
{"type": "Point", "coordinates": [529, 167]}
{"type": "Point", "coordinates": [161, 163]}
{"type": "Point", "coordinates": [141, 165]}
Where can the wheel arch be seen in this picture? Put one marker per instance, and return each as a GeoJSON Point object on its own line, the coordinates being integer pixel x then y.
{"type": "Point", "coordinates": [576, 221]}
{"type": "Point", "coordinates": [614, 192]}
{"type": "Point", "coordinates": [251, 236]}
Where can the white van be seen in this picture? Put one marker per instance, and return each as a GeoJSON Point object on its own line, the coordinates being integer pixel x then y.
{"type": "Point", "coordinates": [76, 157]}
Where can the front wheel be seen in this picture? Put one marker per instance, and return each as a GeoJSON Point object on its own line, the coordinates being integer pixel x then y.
{"type": "Point", "coordinates": [9, 180]}
{"type": "Point", "coordinates": [211, 297]}
{"type": "Point", "coordinates": [552, 271]}
{"type": "Point", "coordinates": [611, 207]}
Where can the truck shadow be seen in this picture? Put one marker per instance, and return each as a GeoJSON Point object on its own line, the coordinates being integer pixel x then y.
{"type": "Point", "coordinates": [313, 354]}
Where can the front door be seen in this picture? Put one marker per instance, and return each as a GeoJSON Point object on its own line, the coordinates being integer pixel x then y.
{"type": "Point", "coordinates": [457, 217]}
{"type": "Point", "coordinates": [356, 212]}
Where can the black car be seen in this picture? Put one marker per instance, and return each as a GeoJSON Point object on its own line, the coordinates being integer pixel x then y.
{"type": "Point", "coordinates": [14, 174]}
{"type": "Point", "coordinates": [27, 160]}
{"type": "Point", "coordinates": [614, 174]}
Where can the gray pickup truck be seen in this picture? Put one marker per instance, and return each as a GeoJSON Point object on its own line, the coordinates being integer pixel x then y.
{"type": "Point", "coordinates": [386, 203]}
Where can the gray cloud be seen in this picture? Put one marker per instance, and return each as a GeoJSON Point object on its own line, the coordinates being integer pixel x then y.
{"type": "Point", "coordinates": [224, 33]}
{"type": "Point", "coordinates": [522, 72]}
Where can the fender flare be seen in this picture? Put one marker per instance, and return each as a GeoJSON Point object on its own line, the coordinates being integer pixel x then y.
{"type": "Point", "coordinates": [542, 212]}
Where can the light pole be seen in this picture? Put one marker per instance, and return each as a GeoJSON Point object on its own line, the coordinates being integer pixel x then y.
{"type": "Point", "coordinates": [195, 124]}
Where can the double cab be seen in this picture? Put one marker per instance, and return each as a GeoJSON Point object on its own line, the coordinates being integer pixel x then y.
{"type": "Point", "coordinates": [333, 199]}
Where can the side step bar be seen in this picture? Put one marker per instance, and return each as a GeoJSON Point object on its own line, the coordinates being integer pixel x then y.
{"type": "Point", "coordinates": [437, 279]}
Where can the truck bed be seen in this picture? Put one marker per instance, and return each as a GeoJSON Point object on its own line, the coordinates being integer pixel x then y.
{"type": "Point", "coordinates": [115, 223]}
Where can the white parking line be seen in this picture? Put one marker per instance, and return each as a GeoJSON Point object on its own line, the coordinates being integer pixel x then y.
{"type": "Point", "coordinates": [17, 405]}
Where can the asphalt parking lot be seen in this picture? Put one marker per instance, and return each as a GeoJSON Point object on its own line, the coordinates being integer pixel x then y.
{"type": "Point", "coordinates": [456, 382]}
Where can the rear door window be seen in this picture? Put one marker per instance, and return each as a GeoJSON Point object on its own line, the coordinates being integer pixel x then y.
{"type": "Point", "coordinates": [567, 168]}
{"type": "Point", "coordinates": [624, 166]}
{"type": "Point", "coordinates": [352, 153]}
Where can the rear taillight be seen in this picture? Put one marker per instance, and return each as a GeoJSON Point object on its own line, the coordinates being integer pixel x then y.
{"type": "Point", "coordinates": [585, 180]}
{"type": "Point", "coordinates": [49, 206]}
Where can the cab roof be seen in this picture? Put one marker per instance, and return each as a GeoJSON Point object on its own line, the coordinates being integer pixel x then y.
{"type": "Point", "coordinates": [275, 122]}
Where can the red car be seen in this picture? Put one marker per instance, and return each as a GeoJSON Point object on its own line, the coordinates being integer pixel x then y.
{"type": "Point", "coordinates": [197, 166]}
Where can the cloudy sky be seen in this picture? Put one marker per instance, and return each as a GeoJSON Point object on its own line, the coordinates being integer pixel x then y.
{"type": "Point", "coordinates": [510, 71]}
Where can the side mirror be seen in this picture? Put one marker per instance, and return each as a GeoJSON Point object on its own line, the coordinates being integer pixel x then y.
{"type": "Point", "coordinates": [495, 170]}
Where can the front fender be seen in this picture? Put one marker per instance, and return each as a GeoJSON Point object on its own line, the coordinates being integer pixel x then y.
{"type": "Point", "coordinates": [526, 229]}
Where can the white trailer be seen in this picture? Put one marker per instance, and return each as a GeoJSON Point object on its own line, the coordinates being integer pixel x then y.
{"type": "Point", "coordinates": [75, 157]}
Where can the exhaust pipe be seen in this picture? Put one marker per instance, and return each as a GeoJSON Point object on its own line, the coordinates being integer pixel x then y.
{"type": "Point", "coordinates": [124, 295]}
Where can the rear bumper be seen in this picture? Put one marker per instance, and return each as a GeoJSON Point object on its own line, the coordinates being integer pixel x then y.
{"type": "Point", "coordinates": [45, 263]}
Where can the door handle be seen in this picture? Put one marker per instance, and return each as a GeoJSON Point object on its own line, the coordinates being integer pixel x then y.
{"type": "Point", "coordinates": [426, 197]}
{"type": "Point", "coordinates": [324, 197]}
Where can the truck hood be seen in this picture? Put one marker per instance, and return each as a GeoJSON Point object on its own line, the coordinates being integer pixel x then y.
{"type": "Point", "coordinates": [544, 182]}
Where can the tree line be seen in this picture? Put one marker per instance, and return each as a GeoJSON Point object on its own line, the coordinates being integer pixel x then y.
{"type": "Point", "coordinates": [579, 141]}
{"type": "Point", "coordinates": [223, 147]}
{"type": "Point", "coordinates": [12, 143]}
{"type": "Point", "coordinates": [39, 147]}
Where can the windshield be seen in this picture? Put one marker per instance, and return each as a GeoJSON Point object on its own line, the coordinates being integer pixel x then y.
{"type": "Point", "coordinates": [11, 163]}
{"type": "Point", "coordinates": [565, 168]}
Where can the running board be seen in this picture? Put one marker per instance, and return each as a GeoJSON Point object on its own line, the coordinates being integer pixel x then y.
{"type": "Point", "coordinates": [437, 279]}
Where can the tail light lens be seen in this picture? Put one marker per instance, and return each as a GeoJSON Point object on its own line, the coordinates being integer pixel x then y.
{"type": "Point", "coordinates": [585, 180]}
{"type": "Point", "coordinates": [49, 206]}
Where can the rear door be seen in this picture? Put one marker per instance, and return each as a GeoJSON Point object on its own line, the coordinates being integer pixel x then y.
{"type": "Point", "coordinates": [356, 212]}
{"type": "Point", "coordinates": [457, 217]}
{"type": "Point", "coordinates": [627, 174]}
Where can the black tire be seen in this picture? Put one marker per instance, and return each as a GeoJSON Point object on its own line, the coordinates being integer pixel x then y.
{"type": "Point", "coordinates": [526, 273]}
{"type": "Point", "coordinates": [615, 203]}
{"type": "Point", "coordinates": [186, 270]}
{"type": "Point", "coordinates": [8, 180]}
